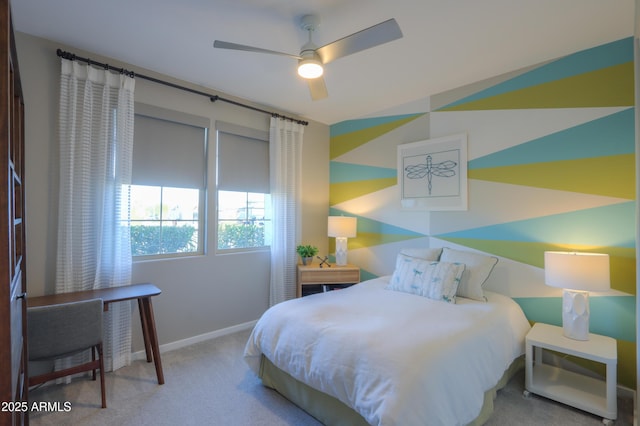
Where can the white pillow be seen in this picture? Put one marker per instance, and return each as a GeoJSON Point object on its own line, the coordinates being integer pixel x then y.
{"type": "Point", "coordinates": [477, 270]}
{"type": "Point", "coordinates": [423, 253]}
{"type": "Point", "coordinates": [427, 278]}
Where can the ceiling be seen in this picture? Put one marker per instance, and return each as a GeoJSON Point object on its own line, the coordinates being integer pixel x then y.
{"type": "Point", "coordinates": [446, 43]}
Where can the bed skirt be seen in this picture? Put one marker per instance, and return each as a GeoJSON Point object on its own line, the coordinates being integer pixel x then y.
{"type": "Point", "coordinates": [330, 411]}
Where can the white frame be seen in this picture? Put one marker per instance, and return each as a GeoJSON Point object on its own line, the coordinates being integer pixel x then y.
{"type": "Point", "coordinates": [425, 187]}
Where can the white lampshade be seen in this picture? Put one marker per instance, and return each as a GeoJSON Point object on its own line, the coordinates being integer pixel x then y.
{"type": "Point", "coordinates": [577, 271]}
{"type": "Point", "coordinates": [310, 68]}
{"type": "Point", "coordinates": [342, 226]}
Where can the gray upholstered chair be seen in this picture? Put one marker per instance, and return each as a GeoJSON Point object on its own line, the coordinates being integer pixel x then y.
{"type": "Point", "coordinates": [58, 331]}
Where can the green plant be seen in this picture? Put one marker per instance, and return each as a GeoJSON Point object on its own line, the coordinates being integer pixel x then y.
{"type": "Point", "coordinates": [233, 236]}
{"type": "Point", "coordinates": [307, 250]}
{"type": "Point", "coordinates": [149, 240]}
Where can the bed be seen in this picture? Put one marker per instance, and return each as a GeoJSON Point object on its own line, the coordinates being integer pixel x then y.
{"type": "Point", "coordinates": [392, 350]}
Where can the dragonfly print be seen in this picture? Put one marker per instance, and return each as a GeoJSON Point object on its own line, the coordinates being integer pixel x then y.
{"type": "Point", "coordinates": [431, 169]}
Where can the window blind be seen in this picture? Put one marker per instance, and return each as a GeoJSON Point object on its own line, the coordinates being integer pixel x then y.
{"type": "Point", "coordinates": [169, 148]}
{"type": "Point", "coordinates": [243, 159]}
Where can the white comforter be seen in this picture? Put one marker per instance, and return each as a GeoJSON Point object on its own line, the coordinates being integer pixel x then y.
{"type": "Point", "coordinates": [396, 358]}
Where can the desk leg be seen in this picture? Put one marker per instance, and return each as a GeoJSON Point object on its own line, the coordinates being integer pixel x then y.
{"type": "Point", "coordinates": [145, 329]}
{"type": "Point", "coordinates": [153, 337]}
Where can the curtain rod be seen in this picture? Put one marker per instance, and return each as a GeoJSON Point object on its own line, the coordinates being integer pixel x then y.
{"type": "Point", "coordinates": [212, 98]}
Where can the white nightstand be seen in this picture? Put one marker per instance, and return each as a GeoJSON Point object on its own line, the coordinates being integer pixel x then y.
{"type": "Point", "coordinates": [586, 393]}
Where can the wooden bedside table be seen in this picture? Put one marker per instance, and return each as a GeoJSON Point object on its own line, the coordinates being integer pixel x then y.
{"type": "Point", "coordinates": [335, 276]}
{"type": "Point", "coordinates": [586, 393]}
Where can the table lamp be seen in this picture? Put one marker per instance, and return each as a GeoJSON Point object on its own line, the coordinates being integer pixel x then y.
{"type": "Point", "coordinates": [342, 227]}
{"type": "Point", "coordinates": [576, 274]}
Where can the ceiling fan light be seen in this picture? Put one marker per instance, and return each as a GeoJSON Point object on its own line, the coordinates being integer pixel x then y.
{"type": "Point", "coordinates": [310, 68]}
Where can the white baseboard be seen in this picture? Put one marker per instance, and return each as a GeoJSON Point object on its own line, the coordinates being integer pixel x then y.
{"type": "Point", "coordinates": [196, 339]}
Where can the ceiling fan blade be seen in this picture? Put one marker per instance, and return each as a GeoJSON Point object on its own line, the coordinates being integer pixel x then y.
{"type": "Point", "coordinates": [381, 33]}
{"type": "Point", "coordinates": [234, 46]}
{"type": "Point", "coordinates": [318, 88]}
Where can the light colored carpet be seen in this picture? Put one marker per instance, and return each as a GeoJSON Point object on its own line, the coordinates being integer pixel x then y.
{"type": "Point", "coordinates": [209, 384]}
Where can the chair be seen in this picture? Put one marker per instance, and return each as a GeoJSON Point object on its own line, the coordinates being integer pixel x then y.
{"type": "Point", "coordinates": [58, 331]}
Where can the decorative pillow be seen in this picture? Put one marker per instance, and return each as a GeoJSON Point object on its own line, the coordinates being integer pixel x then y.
{"type": "Point", "coordinates": [431, 279]}
{"type": "Point", "coordinates": [478, 268]}
{"type": "Point", "coordinates": [423, 253]}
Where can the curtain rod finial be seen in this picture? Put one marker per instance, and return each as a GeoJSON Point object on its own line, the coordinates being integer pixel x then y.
{"type": "Point", "coordinates": [65, 55]}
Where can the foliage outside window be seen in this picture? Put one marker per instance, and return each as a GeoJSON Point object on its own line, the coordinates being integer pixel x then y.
{"type": "Point", "coordinates": [164, 220]}
{"type": "Point", "coordinates": [243, 220]}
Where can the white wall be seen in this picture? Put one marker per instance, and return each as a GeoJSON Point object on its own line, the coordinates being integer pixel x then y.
{"type": "Point", "coordinates": [200, 294]}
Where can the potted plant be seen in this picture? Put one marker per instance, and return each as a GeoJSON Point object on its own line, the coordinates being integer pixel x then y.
{"type": "Point", "coordinates": [307, 252]}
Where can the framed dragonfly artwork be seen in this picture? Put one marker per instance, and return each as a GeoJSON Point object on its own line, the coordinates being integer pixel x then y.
{"type": "Point", "coordinates": [432, 174]}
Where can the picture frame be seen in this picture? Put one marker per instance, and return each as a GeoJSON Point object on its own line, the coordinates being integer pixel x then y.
{"type": "Point", "coordinates": [432, 173]}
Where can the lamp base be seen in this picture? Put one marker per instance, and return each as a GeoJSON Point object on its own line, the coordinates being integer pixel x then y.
{"type": "Point", "coordinates": [341, 251]}
{"type": "Point", "coordinates": [575, 314]}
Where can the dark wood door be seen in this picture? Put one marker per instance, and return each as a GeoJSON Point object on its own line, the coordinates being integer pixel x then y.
{"type": "Point", "coordinates": [13, 354]}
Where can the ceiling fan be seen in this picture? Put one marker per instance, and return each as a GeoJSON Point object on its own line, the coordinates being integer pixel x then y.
{"type": "Point", "coordinates": [312, 58]}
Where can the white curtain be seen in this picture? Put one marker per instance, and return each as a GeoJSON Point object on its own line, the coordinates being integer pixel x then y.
{"type": "Point", "coordinates": [285, 169]}
{"type": "Point", "coordinates": [96, 143]}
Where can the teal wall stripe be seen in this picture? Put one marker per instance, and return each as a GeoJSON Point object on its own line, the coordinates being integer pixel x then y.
{"type": "Point", "coordinates": [607, 55]}
{"type": "Point", "coordinates": [542, 309]}
{"type": "Point", "coordinates": [375, 227]}
{"type": "Point", "coordinates": [609, 226]}
{"type": "Point", "coordinates": [610, 135]}
{"type": "Point", "coordinates": [351, 126]}
{"type": "Point", "coordinates": [612, 316]}
{"type": "Point", "coordinates": [346, 172]}
{"type": "Point", "coordinates": [366, 275]}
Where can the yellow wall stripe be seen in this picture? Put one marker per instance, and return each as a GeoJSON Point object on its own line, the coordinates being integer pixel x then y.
{"type": "Point", "coordinates": [345, 191]}
{"type": "Point", "coordinates": [611, 176]}
{"type": "Point", "coordinates": [611, 86]}
{"type": "Point", "coordinates": [346, 142]}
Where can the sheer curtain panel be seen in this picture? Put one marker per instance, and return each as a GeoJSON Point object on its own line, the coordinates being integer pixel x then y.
{"type": "Point", "coordinates": [285, 168]}
{"type": "Point", "coordinates": [96, 143]}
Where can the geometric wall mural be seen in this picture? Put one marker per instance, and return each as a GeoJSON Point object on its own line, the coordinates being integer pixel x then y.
{"type": "Point", "coordinates": [575, 81]}
{"type": "Point", "coordinates": [526, 240]}
{"type": "Point", "coordinates": [348, 181]}
{"type": "Point", "coordinates": [611, 225]}
{"type": "Point", "coordinates": [551, 166]}
{"type": "Point", "coordinates": [348, 135]}
{"type": "Point", "coordinates": [594, 158]}
{"type": "Point", "coordinates": [373, 233]}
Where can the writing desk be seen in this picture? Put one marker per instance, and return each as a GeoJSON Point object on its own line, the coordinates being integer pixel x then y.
{"type": "Point", "coordinates": [142, 292]}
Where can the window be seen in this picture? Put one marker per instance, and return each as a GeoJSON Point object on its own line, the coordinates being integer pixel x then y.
{"type": "Point", "coordinates": [243, 221]}
{"type": "Point", "coordinates": [244, 201]}
{"type": "Point", "coordinates": [164, 220]}
{"type": "Point", "coordinates": [168, 183]}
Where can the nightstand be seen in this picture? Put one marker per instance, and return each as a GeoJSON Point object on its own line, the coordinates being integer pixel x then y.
{"type": "Point", "coordinates": [325, 278]}
{"type": "Point", "coordinates": [577, 390]}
